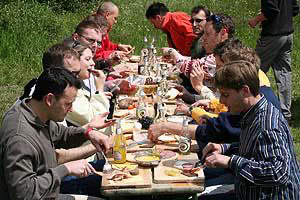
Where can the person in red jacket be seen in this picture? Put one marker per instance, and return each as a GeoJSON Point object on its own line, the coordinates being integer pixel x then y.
{"type": "Point", "coordinates": [109, 49]}
{"type": "Point", "coordinates": [176, 25]}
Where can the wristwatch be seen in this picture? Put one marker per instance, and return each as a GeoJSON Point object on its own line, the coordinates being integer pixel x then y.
{"type": "Point", "coordinates": [191, 109]}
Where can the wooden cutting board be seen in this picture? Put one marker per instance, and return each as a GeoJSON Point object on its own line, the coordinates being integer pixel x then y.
{"type": "Point", "coordinates": [161, 177]}
{"type": "Point", "coordinates": [143, 180]}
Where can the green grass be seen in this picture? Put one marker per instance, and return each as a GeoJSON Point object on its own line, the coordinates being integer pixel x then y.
{"type": "Point", "coordinates": [27, 28]}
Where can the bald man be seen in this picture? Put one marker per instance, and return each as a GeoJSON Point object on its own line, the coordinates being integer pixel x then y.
{"type": "Point", "coordinates": [111, 12]}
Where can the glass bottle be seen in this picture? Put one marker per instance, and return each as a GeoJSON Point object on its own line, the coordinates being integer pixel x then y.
{"type": "Point", "coordinates": [141, 110]}
{"type": "Point", "coordinates": [119, 146]}
{"type": "Point", "coordinates": [160, 114]}
{"type": "Point", "coordinates": [185, 140]}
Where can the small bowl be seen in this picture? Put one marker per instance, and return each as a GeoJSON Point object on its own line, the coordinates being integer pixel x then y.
{"type": "Point", "coordinates": [150, 89]}
{"type": "Point", "coordinates": [147, 158]}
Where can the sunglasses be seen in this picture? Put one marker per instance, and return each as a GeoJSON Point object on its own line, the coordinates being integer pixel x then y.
{"type": "Point", "coordinates": [217, 19]}
{"type": "Point", "coordinates": [92, 41]}
{"type": "Point", "coordinates": [198, 21]}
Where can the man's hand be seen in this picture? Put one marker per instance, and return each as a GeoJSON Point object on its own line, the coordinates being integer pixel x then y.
{"type": "Point", "coordinates": [256, 20]}
{"type": "Point", "coordinates": [201, 103]}
{"type": "Point", "coordinates": [100, 141]}
{"type": "Point", "coordinates": [213, 158]}
{"type": "Point", "coordinates": [98, 121]}
{"type": "Point", "coordinates": [79, 168]}
{"type": "Point", "coordinates": [253, 22]}
{"type": "Point", "coordinates": [197, 77]}
{"type": "Point", "coordinates": [210, 148]}
{"type": "Point", "coordinates": [216, 160]}
{"type": "Point", "coordinates": [115, 57]}
{"type": "Point", "coordinates": [155, 130]}
{"type": "Point", "coordinates": [124, 47]}
{"type": "Point", "coordinates": [182, 108]}
{"type": "Point", "coordinates": [177, 86]}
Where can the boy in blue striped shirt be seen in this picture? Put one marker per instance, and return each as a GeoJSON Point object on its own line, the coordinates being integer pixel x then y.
{"type": "Point", "coordinates": [264, 161]}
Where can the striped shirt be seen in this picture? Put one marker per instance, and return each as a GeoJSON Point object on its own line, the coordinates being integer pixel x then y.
{"type": "Point", "coordinates": [264, 161]}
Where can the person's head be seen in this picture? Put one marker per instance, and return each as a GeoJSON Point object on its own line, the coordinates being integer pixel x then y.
{"type": "Point", "coordinates": [110, 11]}
{"type": "Point", "coordinates": [60, 55]}
{"type": "Point", "coordinates": [86, 60]}
{"type": "Point", "coordinates": [88, 32]}
{"type": "Point", "coordinates": [56, 88]}
{"type": "Point", "coordinates": [238, 83]}
{"type": "Point", "coordinates": [198, 20]}
{"type": "Point", "coordinates": [222, 48]}
{"type": "Point", "coordinates": [100, 20]}
{"type": "Point", "coordinates": [156, 14]}
{"type": "Point", "coordinates": [218, 28]}
{"type": "Point", "coordinates": [241, 53]}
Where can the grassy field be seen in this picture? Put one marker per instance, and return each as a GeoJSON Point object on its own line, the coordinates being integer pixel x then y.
{"type": "Point", "coordinates": [28, 27]}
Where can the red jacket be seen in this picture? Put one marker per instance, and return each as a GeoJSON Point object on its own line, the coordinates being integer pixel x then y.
{"type": "Point", "coordinates": [106, 49]}
{"type": "Point", "coordinates": [179, 29]}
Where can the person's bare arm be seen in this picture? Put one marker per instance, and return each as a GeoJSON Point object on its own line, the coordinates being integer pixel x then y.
{"type": "Point", "coordinates": [158, 129]}
{"type": "Point", "coordinates": [67, 155]}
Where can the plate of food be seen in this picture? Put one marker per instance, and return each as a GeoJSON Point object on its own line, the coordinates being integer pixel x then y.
{"type": "Point", "coordinates": [147, 158]}
{"type": "Point", "coordinates": [167, 138]}
{"type": "Point", "coordinates": [178, 118]}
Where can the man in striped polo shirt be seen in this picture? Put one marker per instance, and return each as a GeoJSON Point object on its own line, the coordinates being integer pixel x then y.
{"type": "Point", "coordinates": [264, 161]}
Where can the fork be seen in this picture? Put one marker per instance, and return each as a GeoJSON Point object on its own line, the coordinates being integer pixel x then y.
{"type": "Point", "coordinates": [107, 166]}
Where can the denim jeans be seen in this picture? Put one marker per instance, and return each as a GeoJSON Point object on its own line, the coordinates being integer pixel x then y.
{"type": "Point", "coordinates": [275, 52]}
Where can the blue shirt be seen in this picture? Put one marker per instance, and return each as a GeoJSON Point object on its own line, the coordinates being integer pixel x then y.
{"type": "Point", "coordinates": [264, 161]}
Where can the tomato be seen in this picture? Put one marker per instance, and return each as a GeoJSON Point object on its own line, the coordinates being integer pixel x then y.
{"type": "Point", "coordinates": [130, 107]}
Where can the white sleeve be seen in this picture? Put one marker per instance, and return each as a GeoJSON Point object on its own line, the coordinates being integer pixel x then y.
{"type": "Point", "coordinates": [84, 108]}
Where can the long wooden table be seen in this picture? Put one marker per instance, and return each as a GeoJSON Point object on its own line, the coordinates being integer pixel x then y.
{"type": "Point", "coordinates": [154, 183]}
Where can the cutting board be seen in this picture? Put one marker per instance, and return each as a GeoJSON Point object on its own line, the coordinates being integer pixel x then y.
{"type": "Point", "coordinates": [161, 177]}
{"type": "Point", "coordinates": [143, 180]}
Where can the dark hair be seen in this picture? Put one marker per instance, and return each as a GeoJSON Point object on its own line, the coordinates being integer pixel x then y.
{"type": "Point", "coordinates": [54, 80]}
{"type": "Point", "coordinates": [85, 24]}
{"type": "Point", "coordinates": [197, 9]}
{"type": "Point", "coordinates": [80, 47]}
{"type": "Point", "coordinates": [100, 20]}
{"type": "Point", "coordinates": [235, 75]}
{"type": "Point", "coordinates": [55, 55]}
{"type": "Point", "coordinates": [227, 45]}
{"type": "Point", "coordinates": [222, 21]}
{"type": "Point", "coordinates": [156, 9]}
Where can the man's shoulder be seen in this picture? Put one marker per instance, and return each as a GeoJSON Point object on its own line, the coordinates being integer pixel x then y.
{"type": "Point", "coordinates": [178, 16]}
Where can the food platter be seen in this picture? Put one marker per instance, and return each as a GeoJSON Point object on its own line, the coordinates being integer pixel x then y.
{"type": "Point", "coordinates": [147, 158]}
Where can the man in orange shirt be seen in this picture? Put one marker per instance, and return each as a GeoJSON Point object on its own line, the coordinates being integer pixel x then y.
{"type": "Point", "coordinates": [176, 25]}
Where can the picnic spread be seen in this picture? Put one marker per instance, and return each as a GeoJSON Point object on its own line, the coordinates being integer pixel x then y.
{"type": "Point", "coordinates": [150, 168]}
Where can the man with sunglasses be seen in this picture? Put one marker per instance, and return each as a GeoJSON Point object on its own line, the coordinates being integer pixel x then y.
{"type": "Point", "coordinates": [198, 21]}
{"type": "Point", "coordinates": [274, 47]}
{"type": "Point", "coordinates": [177, 26]}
